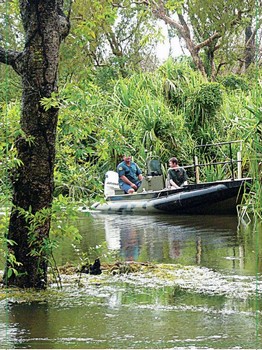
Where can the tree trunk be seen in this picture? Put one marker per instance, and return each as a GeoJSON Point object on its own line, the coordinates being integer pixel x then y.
{"type": "Point", "coordinates": [160, 12]}
{"type": "Point", "coordinates": [250, 46]}
{"type": "Point", "coordinates": [45, 26]}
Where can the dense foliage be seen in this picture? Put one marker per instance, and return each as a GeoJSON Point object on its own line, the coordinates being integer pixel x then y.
{"type": "Point", "coordinates": [161, 113]}
{"type": "Point", "coordinates": [114, 94]}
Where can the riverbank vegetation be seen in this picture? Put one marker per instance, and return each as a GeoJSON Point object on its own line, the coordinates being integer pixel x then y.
{"type": "Point", "coordinates": [161, 113]}
{"type": "Point", "coordinates": [114, 94]}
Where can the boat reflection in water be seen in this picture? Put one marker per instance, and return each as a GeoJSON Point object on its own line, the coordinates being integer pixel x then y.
{"type": "Point", "coordinates": [181, 239]}
{"type": "Point", "coordinates": [125, 240]}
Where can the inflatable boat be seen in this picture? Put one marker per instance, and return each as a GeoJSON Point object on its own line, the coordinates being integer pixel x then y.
{"type": "Point", "coordinates": [220, 197]}
{"type": "Point", "coordinates": [215, 197]}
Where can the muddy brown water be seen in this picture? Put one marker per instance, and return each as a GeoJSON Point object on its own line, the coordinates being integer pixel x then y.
{"type": "Point", "coordinates": [212, 299]}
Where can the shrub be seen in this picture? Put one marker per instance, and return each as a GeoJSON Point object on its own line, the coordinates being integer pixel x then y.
{"type": "Point", "coordinates": [233, 82]}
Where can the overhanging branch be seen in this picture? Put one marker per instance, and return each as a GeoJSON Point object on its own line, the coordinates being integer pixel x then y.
{"type": "Point", "coordinates": [208, 41]}
{"type": "Point", "coordinates": [10, 58]}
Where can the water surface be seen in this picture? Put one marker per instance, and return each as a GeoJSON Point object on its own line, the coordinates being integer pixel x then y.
{"type": "Point", "coordinates": [212, 299]}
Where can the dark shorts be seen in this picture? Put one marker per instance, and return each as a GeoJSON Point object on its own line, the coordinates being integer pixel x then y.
{"type": "Point", "coordinates": [125, 187]}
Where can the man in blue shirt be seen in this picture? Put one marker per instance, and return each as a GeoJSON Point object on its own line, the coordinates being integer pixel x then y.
{"type": "Point", "coordinates": [130, 176]}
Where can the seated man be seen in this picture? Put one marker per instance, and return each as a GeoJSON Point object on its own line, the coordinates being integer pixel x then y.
{"type": "Point", "coordinates": [130, 176]}
{"type": "Point", "coordinates": [176, 175]}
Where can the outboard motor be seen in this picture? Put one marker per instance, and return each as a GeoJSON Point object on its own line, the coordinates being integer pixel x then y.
{"type": "Point", "coordinates": [111, 183]}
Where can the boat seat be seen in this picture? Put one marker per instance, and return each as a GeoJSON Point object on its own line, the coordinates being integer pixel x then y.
{"type": "Point", "coordinates": [152, 183]}
{"type": "Point", "coordinates": [119, 191]}
{"type": "Point", "coordinates": [154, 167]}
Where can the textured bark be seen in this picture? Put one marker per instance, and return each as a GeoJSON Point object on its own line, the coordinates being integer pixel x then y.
{"type": "Point", "coordinates": [45, 27]}
{"type": "Point", "coordinates": [250, 47]}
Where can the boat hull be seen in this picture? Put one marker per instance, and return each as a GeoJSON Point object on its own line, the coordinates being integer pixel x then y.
{"type": "Point", "coordinates": [209, 198]}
